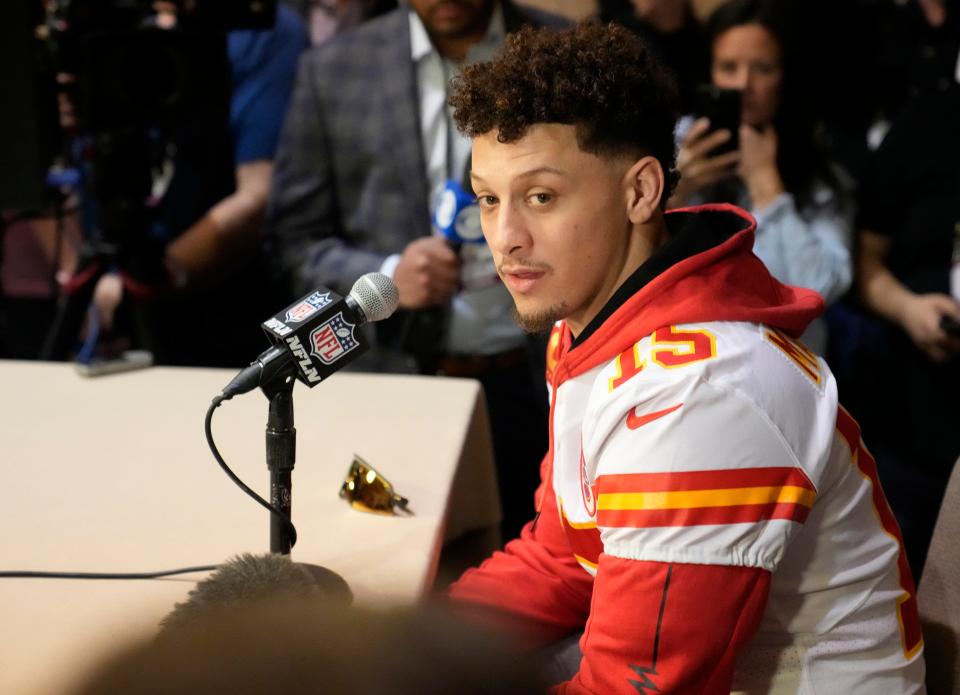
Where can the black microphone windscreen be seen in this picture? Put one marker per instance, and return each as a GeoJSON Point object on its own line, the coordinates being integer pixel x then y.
{"type": "Point", "coordinates": [250, 578]}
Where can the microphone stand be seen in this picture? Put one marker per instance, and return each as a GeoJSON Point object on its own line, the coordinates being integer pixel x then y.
{"type": "Point", "coordinates": [281, 440]}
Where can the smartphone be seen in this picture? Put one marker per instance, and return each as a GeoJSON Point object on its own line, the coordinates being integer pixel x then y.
{"type": "Point", "coordinates": [125, 362]}
{"type": "Point", "coordinates": [722, 107]}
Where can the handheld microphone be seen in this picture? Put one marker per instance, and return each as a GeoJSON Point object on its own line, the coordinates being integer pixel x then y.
{"type": "Point", "coordinates": [316, 335]}
{"type": "Point", "coordinates": [457, 215]}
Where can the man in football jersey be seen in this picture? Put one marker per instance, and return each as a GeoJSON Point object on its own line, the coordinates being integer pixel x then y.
{"type": "Point", "coordinates": [708, 516]}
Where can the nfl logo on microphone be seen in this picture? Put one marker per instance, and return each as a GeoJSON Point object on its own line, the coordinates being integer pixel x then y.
{"type": "Point", "coordinates": [308, 307]}
{"type": "Point", "coordinates": [333, 339]}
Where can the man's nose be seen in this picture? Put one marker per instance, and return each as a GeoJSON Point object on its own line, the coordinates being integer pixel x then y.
{"type": "Point", "coordinates": [509, 233]}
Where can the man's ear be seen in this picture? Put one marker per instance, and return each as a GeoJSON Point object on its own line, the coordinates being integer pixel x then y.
{"type": "Point", "coordinates": [644, 186]}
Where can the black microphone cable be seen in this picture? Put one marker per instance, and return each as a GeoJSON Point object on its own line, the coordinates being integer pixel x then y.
{"type": "Point", "coordinates": [207, 428]}
{"type": "Point", "coordinates": [34, 574]}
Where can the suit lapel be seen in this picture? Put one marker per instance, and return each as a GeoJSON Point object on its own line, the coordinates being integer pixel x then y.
{"type": "Point", "coordinates": [401, 111]}
{"type": "Point", "coordinates": [400, 104]}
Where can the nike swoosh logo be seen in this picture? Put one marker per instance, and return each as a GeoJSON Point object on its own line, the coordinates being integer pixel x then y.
{"type": "Point", "coordinates": [635, 421]}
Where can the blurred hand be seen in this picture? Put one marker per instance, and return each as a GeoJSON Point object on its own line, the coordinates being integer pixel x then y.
{"type": "Point", "coordinates": [428, 273]}
{"type": "Point", "coordinates": [107, 296]}
{"type": "Point", "coordinates": [758, 165]}
{"type": "Point", "coordinates": [106, 299]}
{"type": "Point", "coordinates": [698, 168]}
{"type": "Point", "coordinates": [758, 151]}
{"type": "Point", "coordinates": [920, 317]}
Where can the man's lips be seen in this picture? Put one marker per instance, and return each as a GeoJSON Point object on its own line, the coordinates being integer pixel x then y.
{"type": "Point", "coordinates": [520, 278]}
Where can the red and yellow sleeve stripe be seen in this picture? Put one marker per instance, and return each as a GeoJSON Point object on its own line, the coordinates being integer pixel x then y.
{"type": "Point", "coordinates": [584, 539]}
{"type": "Point", "coordinates": [697, 498]}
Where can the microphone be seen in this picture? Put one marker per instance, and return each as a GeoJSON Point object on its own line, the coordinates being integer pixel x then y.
{"type": "Point", "coordinates": [457, 215]}
{"type": "Point", "coordinates": [316, 335]}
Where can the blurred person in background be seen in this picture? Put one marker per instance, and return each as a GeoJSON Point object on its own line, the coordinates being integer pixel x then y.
{"type": "Point", "coordinates": [909, 277]}
{"type": "Point", "coordinates": [39, 230]}
{"type": "Point", "coordinates": [871, 59]}
{"type": "Point", "coordinates": [209, 201]}
{"type": "Point", "coordinates": [33, 253]}
{"type": "Point", "coordinates": [804, 214]}
{"type": "Point", "coordinates": [670, 28]}
{"type": "Point", "coordinates": [328, 18]}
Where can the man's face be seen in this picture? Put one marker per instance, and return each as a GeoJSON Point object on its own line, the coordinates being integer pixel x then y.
{"type": "Point", "coordinates": [453, 19]}
{"type": "Point", "coordinates": [555, 218]}
{"type": "Point", "coordinates": [747, 58]}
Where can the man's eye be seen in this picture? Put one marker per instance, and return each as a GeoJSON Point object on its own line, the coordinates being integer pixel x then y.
{"type": "Point", "coordinates": [541, 198]}
{"type": "Point", "coordinates": [486, 200]}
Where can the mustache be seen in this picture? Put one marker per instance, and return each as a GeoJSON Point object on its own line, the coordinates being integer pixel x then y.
{"type": "Point", "coordinates": [519, 265]}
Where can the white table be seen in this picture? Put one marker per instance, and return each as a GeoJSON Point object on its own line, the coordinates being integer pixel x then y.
{"type": "Point", "coordinates": [113, 474]}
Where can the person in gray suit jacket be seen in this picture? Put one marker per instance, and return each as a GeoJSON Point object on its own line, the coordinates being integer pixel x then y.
{"type": "Point", "coordinates": [368, 144]}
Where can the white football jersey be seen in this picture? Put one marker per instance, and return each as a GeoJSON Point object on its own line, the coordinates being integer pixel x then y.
{"type": "Point", "coordinates": [722, 443]}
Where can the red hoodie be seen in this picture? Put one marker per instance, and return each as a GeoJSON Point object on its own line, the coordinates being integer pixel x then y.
{"type": "Point", "coordinates": [636, 569]}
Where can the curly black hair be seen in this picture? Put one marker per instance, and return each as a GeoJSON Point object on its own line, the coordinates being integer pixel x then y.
{"type": "Point", "coordinates": [602, 79]}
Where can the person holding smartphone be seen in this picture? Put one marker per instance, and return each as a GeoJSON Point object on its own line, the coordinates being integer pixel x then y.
{"type": "Point", "coordinates": [804, 216]}
{"type": "Point", "coordinates": [908, 277]}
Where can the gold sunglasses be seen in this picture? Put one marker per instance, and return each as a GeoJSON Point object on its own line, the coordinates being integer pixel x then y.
{"type": "Point", "coordinates": [368, 491]}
